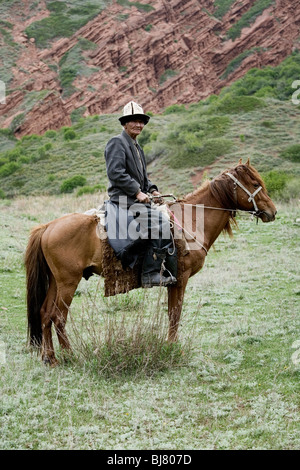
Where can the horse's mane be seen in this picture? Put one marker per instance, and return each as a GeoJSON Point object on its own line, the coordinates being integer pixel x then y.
{"type": "Point", "coordinates": [224, 193]}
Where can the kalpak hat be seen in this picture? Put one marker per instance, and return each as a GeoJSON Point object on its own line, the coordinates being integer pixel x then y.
{"type": "Point", "coordinates": [131, 111]}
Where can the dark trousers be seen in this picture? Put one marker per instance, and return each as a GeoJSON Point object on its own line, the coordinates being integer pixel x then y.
{"type": "Point", "coordinates": [137, 228]}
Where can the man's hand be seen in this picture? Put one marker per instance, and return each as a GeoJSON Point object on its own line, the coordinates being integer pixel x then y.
{"type": "Point", "coordinates": [157, 199]}
{"type": "Point", "coordinates": [142, 197]}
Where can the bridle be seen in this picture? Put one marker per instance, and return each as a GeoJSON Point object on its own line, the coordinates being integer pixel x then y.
{"type": "Point", "coordinates": [251, 198]}
{"type": "Point", "coordinates": [251, 195]}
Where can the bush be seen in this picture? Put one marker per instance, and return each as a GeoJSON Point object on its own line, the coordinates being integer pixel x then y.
{"type": "Point", "coordinates": [282, 186]}
{"type": "Point", "coordinates": [2, 194]}
{"type": "Point", "coordinates": [292, 189]}
{"type": "Point", "coordinates": [91, 189]}
{"type": "Point", "coordinates": [8, 168]}
{"type": "Point", "coordinates": [124, 341]}
{"type": "Point", "coordinates": [292, 153]}
{"type": "Point", "coordinates": [275, 182]}
{"type": "Point", "coordinates": [269, 81]}
{"type": "Point", "coordinates": [3, 161]}
{"type": "Point", "coordinates": [198, 153]}
{"type": "Point", "coordinates": [7, 133]}
{"type": "Point", "coordinates": [71, 183]}
{"type": "Point", "coordinates": [69, 134]}
{"type": "Point", "coordinates": [13, 155]}
{"type": "Point", "coordinates": [51, 133]}
{"type": "Point", "coordinates": [17, 121]}
{"type": "Point", "coordinates": [238, 104]}
{"type": "Point", "coordinates": [145, 137]}
{"type": "Point", "coordinates": [168, 73]}
{"type": "Point", "coordinates": [175, 108]}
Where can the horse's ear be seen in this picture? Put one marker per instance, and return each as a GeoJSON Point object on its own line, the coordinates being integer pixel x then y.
{"type": "Point", "coordinates": [240, 161]}
{"type": "Point", "coordinates": [248, 162]}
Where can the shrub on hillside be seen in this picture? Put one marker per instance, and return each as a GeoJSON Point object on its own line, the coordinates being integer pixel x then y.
{"type": "Point", "coordinates": [69, 134]}
{"type": "Point", "coordinates": [275, 182]}
{"type": "Point", "coordinates": [269, 81]}
{"type": "Point", "coordinates": [231, 104]}
{"type": "Point", "coordinates": [50, 133]}
{"type": "Point", "coordinates": [71, 183]}
{"type": "Point", "coordinates": [175, 108]}
{"type": "Point", "coordinates": [198, 152]}
{"type": "Point", "coordinates": [13, 155]}
{"type": "Point", "coordinates": [8, 169]}
{"type": "Point", "coordinates": [292, 153]}
{"type": "Point", "coordinates": [91, 189]}
{"type": "Point", "coordinates": [282, 186]}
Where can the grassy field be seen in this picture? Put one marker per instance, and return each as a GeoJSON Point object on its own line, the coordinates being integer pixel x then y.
{"type": "Point", "coordinates": [236, 385]}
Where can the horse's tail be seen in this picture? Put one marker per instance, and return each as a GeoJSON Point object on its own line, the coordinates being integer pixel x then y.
{"type": "Point", "coordinates": [37, 277]}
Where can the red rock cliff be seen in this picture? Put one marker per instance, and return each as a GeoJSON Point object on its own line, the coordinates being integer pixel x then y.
{"type": "Point", "coordinates": [175, 53]}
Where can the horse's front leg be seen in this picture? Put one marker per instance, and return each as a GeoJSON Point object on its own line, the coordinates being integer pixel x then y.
{"type": "Point", "coordinates": [175, 301]}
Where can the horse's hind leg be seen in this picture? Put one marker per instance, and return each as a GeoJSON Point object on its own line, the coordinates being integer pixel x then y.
{"type": "Point", "coordinates": [46, 321]}
{"type": "Point", "coordinates": [54, 311]}
{"type": "Point", "coordinates": [65, 293]}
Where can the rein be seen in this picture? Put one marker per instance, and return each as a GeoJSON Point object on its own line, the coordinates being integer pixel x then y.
{"type": "Point", "coordinates": [251, 198]}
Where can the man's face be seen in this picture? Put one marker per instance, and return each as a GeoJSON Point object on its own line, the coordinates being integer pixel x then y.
{"type": "Point", "coordinates": [134, 128]}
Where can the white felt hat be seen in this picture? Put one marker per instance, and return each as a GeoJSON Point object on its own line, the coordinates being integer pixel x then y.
{"type": "Point", "coordinates": [131, 111]}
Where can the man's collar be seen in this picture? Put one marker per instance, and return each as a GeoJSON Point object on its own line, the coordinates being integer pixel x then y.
{"type": "Point", "coordinates": [130, 139]}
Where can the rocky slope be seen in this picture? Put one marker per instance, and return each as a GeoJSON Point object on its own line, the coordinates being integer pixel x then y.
{"type": "Point", "coordinates": [175, 52]}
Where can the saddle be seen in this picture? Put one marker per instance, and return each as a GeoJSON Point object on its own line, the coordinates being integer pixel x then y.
{"type": "Point", "coordinates": [120, 280]}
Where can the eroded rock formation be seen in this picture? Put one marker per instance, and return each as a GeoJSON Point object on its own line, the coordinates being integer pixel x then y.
{"type": "Point", "coordinates": [175, 53]}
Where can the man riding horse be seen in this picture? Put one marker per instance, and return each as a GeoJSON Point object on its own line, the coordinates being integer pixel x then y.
{"type": "Point", "coordinates": [129, 189]}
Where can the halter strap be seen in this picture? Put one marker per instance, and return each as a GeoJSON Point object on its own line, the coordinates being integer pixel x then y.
{"type": "Point", "coordinates": [251, 195]}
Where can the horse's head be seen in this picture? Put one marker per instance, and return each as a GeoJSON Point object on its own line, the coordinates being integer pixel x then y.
{"type": "Point", "coordinates": [249, 191]}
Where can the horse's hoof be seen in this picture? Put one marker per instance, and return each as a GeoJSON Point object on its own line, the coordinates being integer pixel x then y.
{"type": "Point", "coordinates": [51, 362]}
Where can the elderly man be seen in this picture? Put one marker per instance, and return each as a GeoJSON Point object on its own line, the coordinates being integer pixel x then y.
{"type": "Point", "coordinates": [129, 188]}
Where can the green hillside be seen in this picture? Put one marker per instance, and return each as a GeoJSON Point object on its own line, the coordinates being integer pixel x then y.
{"type": "Point", "coordinates": [256, 117]}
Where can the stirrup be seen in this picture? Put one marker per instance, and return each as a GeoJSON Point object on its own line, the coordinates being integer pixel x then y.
{"type": "Point", "coordinates": [156, 279]}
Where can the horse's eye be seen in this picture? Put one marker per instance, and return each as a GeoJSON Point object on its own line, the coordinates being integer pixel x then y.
{"type": "Point", "coordinates": [256, 185]}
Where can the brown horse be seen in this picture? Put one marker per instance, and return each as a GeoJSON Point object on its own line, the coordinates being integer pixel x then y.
{"type": "Point", "coordinates": [61, 252]}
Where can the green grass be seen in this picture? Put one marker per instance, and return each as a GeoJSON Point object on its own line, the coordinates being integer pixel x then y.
{"type": "Point", "coordinates": [64, 20]}
{"type": "Point", "coordinates": [9, 52]}
{"type": "Point", "coordinates": [143, 7]}
{"type": "Point", "coordinates": [273, 82]}
{"type": "Point", "coordinates": [238, 390]}
{"type": "Point", "coordinates": [73, 65]}
{"type": "Point", "coordinates": [222, 7]}
{"type": "Point", "coordinates": [249, 17]}
{"type": "Point", "coordinates": [175, 147]}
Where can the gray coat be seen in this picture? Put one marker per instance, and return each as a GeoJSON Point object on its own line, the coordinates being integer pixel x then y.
{"type": "Point", "coordinates": [125, 175]}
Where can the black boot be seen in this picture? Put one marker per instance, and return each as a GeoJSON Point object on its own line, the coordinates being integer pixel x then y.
{"type": "Point", "coordinates": [154, 272]}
